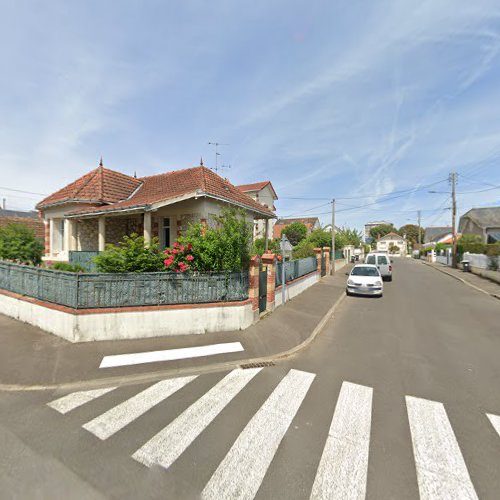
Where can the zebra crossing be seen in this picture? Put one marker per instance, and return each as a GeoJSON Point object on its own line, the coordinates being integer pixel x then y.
{"type": "Point", "coordinates": [343, 465]}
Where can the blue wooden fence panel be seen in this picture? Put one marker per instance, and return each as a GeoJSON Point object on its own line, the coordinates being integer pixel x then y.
{"type": "Point", "coordinates": [295, 269]}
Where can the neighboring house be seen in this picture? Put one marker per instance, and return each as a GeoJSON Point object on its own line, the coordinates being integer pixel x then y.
{"type": "Point", "coordinates": [484, 222]}
{"type": "Point", "coordinates": [104, 205]}
{"type": "Point", "coordinates": [29, 219]}
{"type": "Point", "coordinates": [370, 225]}
{"type": "Point", "coordinates": [263, 193]}
{"type": "Point", "coordinates": [433, 234]}
{"type": "Point", "coordinates": [328, 228]}
{"type": "Point", "coordinates": [311, 224]}
{"type": "Point", "coordinates": [392, 239]}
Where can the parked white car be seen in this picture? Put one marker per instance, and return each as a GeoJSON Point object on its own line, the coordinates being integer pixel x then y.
{"type": "Point", "coordinates": [383, 263]}
{"type": "Point", "coordinates": [365, 279]}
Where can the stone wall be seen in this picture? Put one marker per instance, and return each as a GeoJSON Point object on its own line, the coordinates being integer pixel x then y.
{"type": "Point", "coordinates": [87, 231]}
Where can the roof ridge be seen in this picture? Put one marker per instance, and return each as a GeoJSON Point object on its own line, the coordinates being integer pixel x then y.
{"type": "Point", "coordinates": [91, 175]}
{"type": "Point", "coordinates": [167, 173]}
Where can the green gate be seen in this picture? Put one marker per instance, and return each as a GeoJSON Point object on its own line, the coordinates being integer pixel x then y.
{"type": "Point", "coordinates": [262, 289]}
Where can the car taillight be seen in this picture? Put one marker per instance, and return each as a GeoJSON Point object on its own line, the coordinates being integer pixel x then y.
{"type": "Point", "coordinates": [390, 268]}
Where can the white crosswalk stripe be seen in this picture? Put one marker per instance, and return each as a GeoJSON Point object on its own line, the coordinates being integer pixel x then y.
{"type": "Point", "coordinates": [343, 468]}
{"type": "Point", "coordinates": [120, 416]}
{"type": "Point", "coordinates": [75, 399]}
{"type": "Point", "coordinates": [441, 470]}
{"type": "Point", "coordinates": [495, 422]}
{"type": "Point", "coordinates": [342, 464]}
{"type": "Point", "coordinates": [241, 472]}
{"type": "Point", "coordinates": [164, 448]}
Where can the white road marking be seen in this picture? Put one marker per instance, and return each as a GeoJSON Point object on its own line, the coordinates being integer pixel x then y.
{"type": "Point", "coordinates": [137, 358]}
{"type": "Point", "coordinates": [495, 422]}
{"type": "Point", "coordinates": [241, 472]}
{"type": "Point", "coordinates": [75, 399]}
{"type": "Point", "coordinates": [343, 469]}
{"type": "Point", "coordinates": [441, 470]}
{"type": "Point", "coordinates": [117, 418]}
{"type": "Point", "coordinates": [166, 447]}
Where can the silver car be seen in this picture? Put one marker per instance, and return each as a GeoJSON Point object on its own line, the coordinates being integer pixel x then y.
{"type": "Point", "coordinates": [365, 279]}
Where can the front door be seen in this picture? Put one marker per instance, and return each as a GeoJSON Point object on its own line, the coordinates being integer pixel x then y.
{"type": "Point", "coordinates": [165, 232]}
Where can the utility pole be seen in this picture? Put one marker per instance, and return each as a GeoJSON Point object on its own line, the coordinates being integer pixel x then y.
{"type": "Point", "coordinates": [453, 180]}
{"type": "Point", "coordinates": [332, 263]}
{"type": "Point", "coordinates": [419, 213]}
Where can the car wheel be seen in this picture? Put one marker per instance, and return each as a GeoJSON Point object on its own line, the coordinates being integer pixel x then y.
{"type": "Point", "coordinates": [389, 278]}
{"type": "Point", "coordinates": [348, 293]}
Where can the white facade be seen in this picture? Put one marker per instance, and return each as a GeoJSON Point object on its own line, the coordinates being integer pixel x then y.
{"type": "Point", "coordinates": [265, 196]}
{"type": "Point", "coordinates": [384, 244]}
{"type": "Point", "coordinates": [370, 225]}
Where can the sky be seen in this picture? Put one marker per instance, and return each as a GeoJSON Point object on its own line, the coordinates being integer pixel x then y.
{"type": "Point", "coordinates": [370, 103]}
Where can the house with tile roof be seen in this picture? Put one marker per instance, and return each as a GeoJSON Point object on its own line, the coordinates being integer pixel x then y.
{"type": "Point", "coordinates": [263, 193]}
{"type": "Point", "coordinates": [311, 224]}
{"type": "Point", "coordinates": [104, 205]}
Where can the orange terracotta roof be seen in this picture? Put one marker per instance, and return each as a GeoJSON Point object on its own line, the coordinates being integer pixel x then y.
{"type": "Point", "coordinates": [257, 186]}
{"type": "Point", "coordinates": [101, 185]}
{"type": "Point", "coordinates": [197, 181]}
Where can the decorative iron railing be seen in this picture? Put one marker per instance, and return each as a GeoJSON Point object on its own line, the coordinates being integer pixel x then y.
{"type": "Point", "coordinates": [100, 290]}
{"type": "Point", "coordinates": [295, 269]}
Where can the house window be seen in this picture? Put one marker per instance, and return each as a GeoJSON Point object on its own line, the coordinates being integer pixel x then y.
{"type": "Point", "coordinates": [61, 233]}
{"type": "Point", "coordinates": [165, 232]}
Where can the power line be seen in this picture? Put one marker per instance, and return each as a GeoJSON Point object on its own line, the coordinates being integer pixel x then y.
{"type": "Point", "coordinates": [21, 191]}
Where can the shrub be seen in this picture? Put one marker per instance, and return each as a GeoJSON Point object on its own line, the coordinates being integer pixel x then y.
{"type": "Point", "coordinates": [179, 258]}
{"type": "Point", "coordinates": [493, 249]}
{"type": "Point", "coordinates": [259, 246]}
{"type": "Point", "coordinates": [131, 256]}
{"type": "Point", "coordinates": [393, 248]}
{"type": "Point", "coordinates": [304, 249]}
{"type": "Point", "coordinates": [320, 238]}
{"type": "Point", "coordinates": [70, 268]}
{"type": "Point", "coordinates": [19, 244]}
{"type": "Point", "coordinates": [224, 247]}
{"type": "Point", "coordinates": [295, 232]}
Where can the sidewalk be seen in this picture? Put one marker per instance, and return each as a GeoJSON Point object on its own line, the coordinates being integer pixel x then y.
{"type": "Point", "coordinates": [32, 359]}
{"type": "Point", "coordinates": [479, 283]}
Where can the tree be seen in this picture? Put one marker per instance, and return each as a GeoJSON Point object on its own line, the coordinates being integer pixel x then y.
{"type": "Point", "coordinates": [295, 232]}
{"type": "Point", "coordinates": [393, 248]}
{"type": "Point", "coordinates": [320, 238]}
{"type": "Point", "coordinates": [259, 246]}
{"type": "Point", "coordinates": [411, 232]}
{"type": "Point", "coordinates": [131, 255]}
{"type": "Point", "coordinates": [222, 248]}
{"type": "Point", "coordinates": [19, 244]}
{"type": "Point", "coordinates": [304, 249]}
{"type": "Point", "coordinates": [347, 236]}
{"type": "Point", "coordinates": [380, 231]}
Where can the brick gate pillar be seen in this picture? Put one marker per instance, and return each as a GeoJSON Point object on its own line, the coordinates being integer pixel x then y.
{"type": "Point", "coordinates": [318, 259]}
{"type": "Point", "coordinates": [326, 254]}
{"type": "Point", "coordinates": [253, 285]}
{"type": "Point", "coordinates": [269, 260]}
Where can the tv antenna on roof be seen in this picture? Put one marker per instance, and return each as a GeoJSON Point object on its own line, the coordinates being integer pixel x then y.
{"type": "Point", "coordinates": [217, 154]}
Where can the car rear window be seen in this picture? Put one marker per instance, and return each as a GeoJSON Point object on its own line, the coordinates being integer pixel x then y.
{"type": "Point", "coordinates": [382, 259]}
{"type": "Point", "coordinates": [371, 259]}
{"type": "Point", "coordinates": [365, 271]}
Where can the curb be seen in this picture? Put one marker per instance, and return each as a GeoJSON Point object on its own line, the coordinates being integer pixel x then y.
{"type": "Point", "coordinates": [172, 372]}
{"type": "Point", "coordinates": [495, 296]}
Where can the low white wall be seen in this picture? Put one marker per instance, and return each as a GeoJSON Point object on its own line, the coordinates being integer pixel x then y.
{"type": "Point", "coordinates": [129, 324]}
{"type": "Point", "coordinates": [478, 260]}
{"type": "Point", "coordinates": [296, 288]}
{"type": "Point", "coordinates": [340, 263]}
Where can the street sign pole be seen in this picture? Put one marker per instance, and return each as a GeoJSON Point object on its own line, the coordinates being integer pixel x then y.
{"type": "Point", "coordinates": [283, 284]}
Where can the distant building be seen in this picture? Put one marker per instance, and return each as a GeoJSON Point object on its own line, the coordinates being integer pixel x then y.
{"type": "Point", "coordinates": [484, 222]}
{"type": "Point", "coordinates": [370, 225]}
{"type": "Point", "coordinates": [263, 193]}
{"type": "Point", "coordinates": [434, 234]}
{"type": "Point", "coordinates": [28, 219]}
{"type": "Point", "coordinates": [311, 224]}
{"type": "Point", "coordinates": [393, 240]}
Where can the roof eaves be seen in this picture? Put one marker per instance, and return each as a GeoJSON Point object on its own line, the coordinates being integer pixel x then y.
{"type": "Point", "coordinates": [268, 214]}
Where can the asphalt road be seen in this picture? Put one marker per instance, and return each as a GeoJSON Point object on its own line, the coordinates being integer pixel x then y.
{"type": "Point", "coordinates": [397, 398]}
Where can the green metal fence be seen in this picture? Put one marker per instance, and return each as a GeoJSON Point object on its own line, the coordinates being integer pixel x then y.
{"type": "Point", "coordinates": [84, 259]}
{"type": "Point", "coordinates": [295, 269]}
{"type": "Point", "coordinates": [99, 290]}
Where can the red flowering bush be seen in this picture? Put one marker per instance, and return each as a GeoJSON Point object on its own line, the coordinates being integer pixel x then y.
{"type": "Point", "coordinates": [179, 258]}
